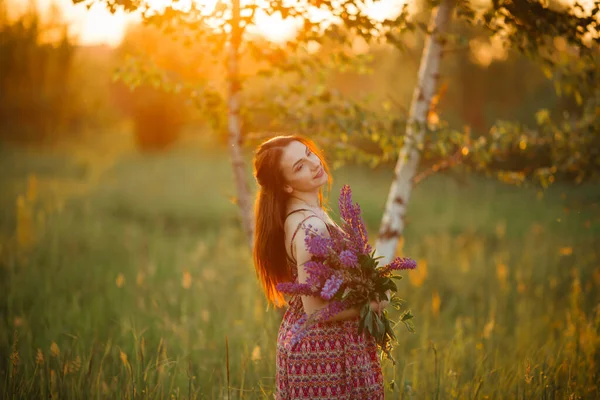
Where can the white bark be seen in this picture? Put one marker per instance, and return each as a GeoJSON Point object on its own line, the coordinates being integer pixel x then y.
{"type": "Point", "coordinates": [235, 126]}
{"type": "Point", "coordinates": [392, 224]}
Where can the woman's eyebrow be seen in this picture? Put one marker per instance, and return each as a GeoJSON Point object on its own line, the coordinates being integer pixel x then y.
{"type": "Point", "coordinates": [305, 152]}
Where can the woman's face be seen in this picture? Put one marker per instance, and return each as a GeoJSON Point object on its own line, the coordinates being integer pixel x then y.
{"type": "Point", "coordinates": [301, 168]}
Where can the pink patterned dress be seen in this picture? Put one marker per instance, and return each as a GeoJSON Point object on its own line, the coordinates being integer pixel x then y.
{"type": "Point", "coordinates": [331, 362]}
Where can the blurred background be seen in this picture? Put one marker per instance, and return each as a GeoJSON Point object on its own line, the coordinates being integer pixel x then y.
{"type": "Point", "coordinates": [124, 269]}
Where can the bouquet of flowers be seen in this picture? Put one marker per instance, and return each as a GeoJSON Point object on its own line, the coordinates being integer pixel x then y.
{"type": "Point", "coordinates": [343, 270]}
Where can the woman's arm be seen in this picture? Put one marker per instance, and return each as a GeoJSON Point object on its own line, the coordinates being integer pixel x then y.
{"type": "Point", "coordinates": [314, 303]}
{"type": "Point", "coordinates": [310, 303]}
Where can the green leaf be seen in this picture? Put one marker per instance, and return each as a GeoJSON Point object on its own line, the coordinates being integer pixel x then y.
{"type": "Point", "coordinates": [389, 285]}
{"type": "Point", "coordinates": [392, 385]}
{"type": "Point", "coordinates": [406, 315]}
{"type": "Point", "coordinates": [361, 326]}
{"type": "Point", "coordinates": [369, 322]}
{"type": "Point", "coordinates": [365, 310]}
{"type": "Point", "coordinates": [388, 328]}
{"type": "Point", "coordinates": [380, 334]}
{"type": "Point", "coordinates": [380, 282]}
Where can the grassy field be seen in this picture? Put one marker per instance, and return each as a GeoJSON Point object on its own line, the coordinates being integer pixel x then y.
{"type": "Point", "coordinates": [127, 276]}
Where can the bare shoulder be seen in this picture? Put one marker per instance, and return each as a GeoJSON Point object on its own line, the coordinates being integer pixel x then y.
{"type": "Point", "coordinates": [299, 222]}
{"type": "Point", "coordinates": [304, 219]}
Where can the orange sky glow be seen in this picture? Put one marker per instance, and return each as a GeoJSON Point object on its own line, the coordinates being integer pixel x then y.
{"type": "Point", "coordinates": [98, 26]}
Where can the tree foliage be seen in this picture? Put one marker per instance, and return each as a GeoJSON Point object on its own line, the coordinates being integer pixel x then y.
{"type": "Point", "coordinates": [35, 78]}
{"type": "Point", "coordinates": [301, 99]}
{"type": "Point", "coordinates": [158, 112]}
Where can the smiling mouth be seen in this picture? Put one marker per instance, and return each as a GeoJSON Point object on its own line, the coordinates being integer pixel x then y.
{"type": "Point", "coordinates": [319, 174]}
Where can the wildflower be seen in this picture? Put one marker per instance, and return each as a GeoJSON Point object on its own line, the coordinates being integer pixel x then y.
{"type": "Point", "coordinates": [296, 333]}
{"type": "Point", "coordinates": [302, 289]}
{"type": "Point", "coordinates": [328, 312]}
{"type": "Point", "coordinates": [123, 357]}
{"type": "Point", "coordinates": [75, 365]}
{"type": "Point", "coordinates": [317, 245]}
{"type": "Point", "coordinates": [317, 272]}
{"type": "Point", "coordinates": [399, 263]}
{"type": "Point", "coordinates": [361, 237]}
{"type": "Point", "coordinates": [331, 286]}
{"type": "Point", "coordinates": [39, 357]}
{"type": "Point", "coordinates": [351, 214]}
{"type": "Point", "coordinates": [345, 203]}
{"type": "Point", "coordinates": [348, 259]}
{"type": "Point", "coordinates": [54, 349]}
{"type": "Point", "coordinates": [337, 240]}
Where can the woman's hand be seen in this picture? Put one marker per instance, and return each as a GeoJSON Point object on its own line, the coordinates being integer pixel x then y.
{"type": "Point", "coordinates": [378, 306]}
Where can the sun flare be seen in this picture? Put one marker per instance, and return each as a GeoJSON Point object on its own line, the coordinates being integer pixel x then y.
{"type": "Point", "coordinates": [97, 25]}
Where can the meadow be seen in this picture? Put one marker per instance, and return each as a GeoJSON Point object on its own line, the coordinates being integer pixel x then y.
{"type": "Point", "coordinates": [127, 276]}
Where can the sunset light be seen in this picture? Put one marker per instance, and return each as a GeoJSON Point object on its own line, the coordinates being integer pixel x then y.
{"type": "Point", "coordinates": [210, 199]}
{"type": "Point", "coordinates": [98, 26]}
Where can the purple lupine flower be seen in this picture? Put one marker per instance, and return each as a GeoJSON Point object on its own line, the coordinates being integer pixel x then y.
{"type": "Point", "coordinates": [331, 286]}
{"type": "Point", "coordinates": [337, 239]}
{"type": "Point", "coordinates": [300, 328]}
{"type": "Point", "coordinates": [353, 221]}
{"type": "Point", "coordinates": [302, 289]}
{"type": "Point", "coordinates": [348, 259]}
{"type": "Point", "coordinates": [361, 230]}
{"type": "Point", "coordinates": [399, 263]}
{"type": "Point", "coordinates": [345, 203]}
{"type": "Point", "coordinates": [296, 332]}
{"type": "Point", "coordinates": [329, 311]}
{"type": "Point", "coordinates": [317, 272]}
{"type": "Point", "coordinates": [316, 244]}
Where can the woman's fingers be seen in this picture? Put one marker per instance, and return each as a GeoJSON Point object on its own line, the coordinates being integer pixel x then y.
{"type": "Point", "coordinates": [376, 306]}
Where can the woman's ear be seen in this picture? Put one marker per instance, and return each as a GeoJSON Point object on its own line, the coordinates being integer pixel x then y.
{"type": "Point", "coordinates": [288, 189]}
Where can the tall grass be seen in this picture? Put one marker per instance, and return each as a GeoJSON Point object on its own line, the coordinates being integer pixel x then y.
{"type": "Point", "coordinates": [141, 286]}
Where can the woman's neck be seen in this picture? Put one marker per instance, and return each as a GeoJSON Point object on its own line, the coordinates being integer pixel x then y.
{"type": "Point", "coordinates": [304, 199]}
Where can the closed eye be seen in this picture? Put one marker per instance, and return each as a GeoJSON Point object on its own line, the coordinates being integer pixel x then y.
{"type": "Point", "coordinates": [308, 154]}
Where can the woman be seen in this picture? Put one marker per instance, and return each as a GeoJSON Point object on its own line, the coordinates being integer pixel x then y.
{"type": "Point", "coordinates": [332, 361]}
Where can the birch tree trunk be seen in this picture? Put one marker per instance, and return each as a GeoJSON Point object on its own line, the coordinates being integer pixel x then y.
{"type": "Point", "coordinates": [392, 224]}
{"type": "Point", "coordinates": [235, 127]}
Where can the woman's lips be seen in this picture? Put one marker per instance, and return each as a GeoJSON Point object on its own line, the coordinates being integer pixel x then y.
{"type": "Point", "coordinates": [319, 174]}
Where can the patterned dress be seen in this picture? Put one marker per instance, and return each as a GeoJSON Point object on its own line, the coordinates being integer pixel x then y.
{"type": "Point", "coordinates": [331, 362]}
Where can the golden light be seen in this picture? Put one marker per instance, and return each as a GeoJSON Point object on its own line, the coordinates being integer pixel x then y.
{"type": "Point", "coordinates": [485, 51]}
{"type": "Point", "coordinates": [98, 26]}
{"type": "Point", "coordinates": [89, 27]}
{"type": "Point", "coordinates": [273, 27]}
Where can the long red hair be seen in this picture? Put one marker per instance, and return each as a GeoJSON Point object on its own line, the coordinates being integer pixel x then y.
{"type": "Point", "coordinates": [269, 251]}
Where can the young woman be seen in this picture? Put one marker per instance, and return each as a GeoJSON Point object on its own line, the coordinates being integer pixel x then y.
{"type": "Point", "coordinates": [332, 361]}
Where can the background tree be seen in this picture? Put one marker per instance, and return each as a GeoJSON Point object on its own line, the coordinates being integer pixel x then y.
{"type": "Point", "coordinates": [527, 26]}
{"type": "Point", "coordinates": [530, 27]}
{"type": "Point", "coordinates": [35, 77]}
{"type": "Point", "coordinates": [225, 28]}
